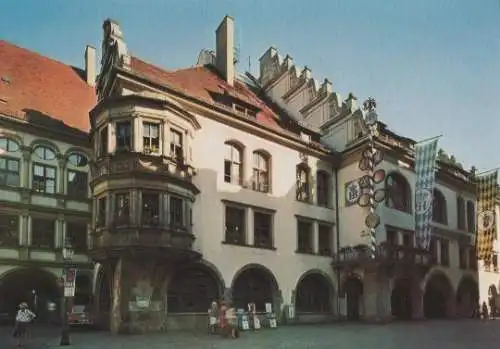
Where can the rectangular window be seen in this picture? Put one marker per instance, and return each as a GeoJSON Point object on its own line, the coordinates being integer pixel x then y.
{"type": "Point", "coordinates": [235, 225]}
{"type": "Point", "coordinates": [9, 172]}
{"type": "Point", "coordinates": [445, 252]}
{"type": "Point", "coordinates": [9, 230]}
{"type": "Point", "coordinates": [462, 257]}
{"type": "Point", "coordinates": [123, 135]}
{"type": "Point", "coordinates": [495, 263]}
{"type": "Point", "coordinates": [176, 149]}
{"type": "Point", "coordinates": [407, 239]}
{"type": "Point", "coordinates": [44, 178]}
{"type": "Point", "coordinates": [76, 232]}
{"type": "Point", "coordinates": [43, 233]}
{"type": "Point", "coordinates": [176, 209]}
{"type": "Point", "coordinates": [262, 225]}
{"type": "Point", "coordinates": [122, 209]}
{"type": "Point", "coordinates": [460, 213]}
{"type": "Point", "coordinates": [302, 184]}
{"type": "Point", "coordinates": [325, 240]}
{"type": "Point", "coordinates": [304, 237]}
{"type": "Point", "coordinates": [392, 237]}
{"type": "Point", "coordinates": [323, 188]}
{"type": "Point", "coordinates": [78, 184]}
{"type": "Point", "coordinates": [150, 209]}
{"type": "Point", "coordinates": [433, 250]}
{"type": "Point", "coordinates": [151, 138]}
{"type": "Point", "coordinates": [103, 141]}
{"type": "Point", "coordinates": [101, 212]}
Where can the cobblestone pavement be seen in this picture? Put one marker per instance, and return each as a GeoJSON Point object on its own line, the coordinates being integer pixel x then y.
{"type": "Point", "coordinates": [468, 334]}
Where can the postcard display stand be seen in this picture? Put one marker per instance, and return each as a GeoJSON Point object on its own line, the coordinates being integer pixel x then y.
{"type": "Point", "coordinates": [270, 316]}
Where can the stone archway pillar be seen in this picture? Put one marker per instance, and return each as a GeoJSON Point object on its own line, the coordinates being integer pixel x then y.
{"type": "Point", "coordinates": [417, 303]}
{"type": "Point", "coordinates": [139, 304]}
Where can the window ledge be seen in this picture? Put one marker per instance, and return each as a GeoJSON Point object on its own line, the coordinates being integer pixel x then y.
{"type": "Point", "coordinates": [247, 245]}
{"type": "Point", "coordinates": [314, 254]}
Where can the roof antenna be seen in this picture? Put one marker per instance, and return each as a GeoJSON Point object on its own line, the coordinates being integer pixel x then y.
{"type": "Point", "coordinates": [249, 65]}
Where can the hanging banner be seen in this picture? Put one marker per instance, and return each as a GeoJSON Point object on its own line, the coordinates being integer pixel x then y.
{"type": "Point", "coordinates": [425, 162]}
{"type": "Point", "coordinates": [69, 282]}
{"type": "Point", "coordinates": [486, 218]}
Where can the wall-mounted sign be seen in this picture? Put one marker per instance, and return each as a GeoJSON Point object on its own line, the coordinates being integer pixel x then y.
{"type": "Point", "coordinates": [352, 192]}
{"type": "Point", "coordinates": [142, 301]}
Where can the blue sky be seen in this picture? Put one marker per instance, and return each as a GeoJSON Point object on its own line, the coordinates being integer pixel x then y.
{"type": "Point", "coordinates": [433, 66]}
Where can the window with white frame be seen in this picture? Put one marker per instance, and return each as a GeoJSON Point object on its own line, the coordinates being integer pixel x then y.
{"type": "Point", "coordinates": [44, 178]}
{"type": "Point", "coordinates": [44, 153]}
{"type": "Point", "coordinates": [176, 210]}
{"type": "Point", "coordinates": [176, 146]}
{"type": "Point", "coordinates": [151, 138]}
{"type": "Point", "coordinates": [9, 172]}
{"type": "Point", "coordinates": [43, 233]}
{"type": "Point", "coordinates": [123, 135]}
{"type": "Point", "coordinates": [122, 208]}
{"type": "Point", "coordinates": [150, 208]}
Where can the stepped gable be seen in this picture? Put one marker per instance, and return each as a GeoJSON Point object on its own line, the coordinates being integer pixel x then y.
{"type": "Point", "coordinates": [41, 90]}
{"type": "Point", "coordinates": [273, 67]}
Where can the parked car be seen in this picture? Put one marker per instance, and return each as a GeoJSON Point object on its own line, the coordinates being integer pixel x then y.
{"type": "Point", "coordinates": [80, 316]}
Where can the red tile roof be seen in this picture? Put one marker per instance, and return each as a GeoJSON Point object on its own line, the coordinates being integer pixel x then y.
{"type": "Point", "coordinates": [43, 85]}
{"type": "Point", "coordinates": [201, 83]}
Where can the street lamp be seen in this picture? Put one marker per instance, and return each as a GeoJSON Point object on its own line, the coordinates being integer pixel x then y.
{"type": "Point", "coordinates": [67, 254]}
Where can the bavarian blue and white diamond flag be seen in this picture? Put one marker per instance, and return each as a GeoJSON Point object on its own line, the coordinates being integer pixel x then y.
{"type": "Point", "coordinates": [425, 162]}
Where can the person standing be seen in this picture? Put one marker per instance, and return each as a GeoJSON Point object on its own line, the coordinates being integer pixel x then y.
{"type": "Point", "coordinates": [213, 314]}
{"type": "Point", "coordinates": [24, 317]}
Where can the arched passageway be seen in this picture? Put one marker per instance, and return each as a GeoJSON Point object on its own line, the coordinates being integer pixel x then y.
{"type": "Point", "coordinates": [401, 299]}
{"type": "Point", "coordinates": [254, 284]}
{"type": "Point", "coordinates": [103, 299]}
{"type": "Point", "coordinates": [467, 297]}
{"type": "Point", "coordinates": [193, 289]}
{"type": "Point", "coordinates": [353, 288]}
{"type": "Point", "coordinates": [438, 297]}
{"type": "Point", "coordinates": [35, 286]}
{"type": "Point", "coordinates": [314, 294]}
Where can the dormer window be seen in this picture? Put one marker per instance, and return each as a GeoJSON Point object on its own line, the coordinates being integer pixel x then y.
{"type": "Point", "coordinates": [176, 149]}
{"type": "Point", "coordinates": [123, 133]}
{"type": "Point", "coordinates": [151, 137]}
{"type": "Point", "coordinates": [240, 109]}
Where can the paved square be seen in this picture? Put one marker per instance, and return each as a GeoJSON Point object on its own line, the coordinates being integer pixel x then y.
{"type": "Point", "coordinates": [464, 334]}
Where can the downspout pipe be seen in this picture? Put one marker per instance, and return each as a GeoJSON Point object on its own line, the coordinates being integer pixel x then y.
{"type": "Point", "coordinates": [337, 237]}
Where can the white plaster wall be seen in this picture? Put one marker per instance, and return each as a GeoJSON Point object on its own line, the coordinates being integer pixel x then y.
{"type": "Point", "coordinates": [286, 265]}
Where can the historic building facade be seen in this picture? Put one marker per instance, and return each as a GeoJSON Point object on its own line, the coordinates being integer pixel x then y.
{"type": "Point", "coordinates": [402, 281]}
{"type": "Point", "coordinates": [44, 194]}
{"type": "Point", "coordinates": [204, 190]}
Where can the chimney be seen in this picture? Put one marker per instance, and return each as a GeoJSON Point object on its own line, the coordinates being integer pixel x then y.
{"type": "Point", "coordinates": [224, 55]}
{"type": "Point", "coordinates": [90, 65]}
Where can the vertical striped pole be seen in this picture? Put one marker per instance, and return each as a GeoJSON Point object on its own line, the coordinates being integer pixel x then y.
{"type": "Point", "coordinates": [373, 236]}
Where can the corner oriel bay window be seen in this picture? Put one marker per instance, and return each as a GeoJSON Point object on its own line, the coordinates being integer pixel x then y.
{"type": "Point", "coordinates": [9, 230]}
{"type": "Point", "coordinates": [262, 225]}
{"type": "Point", "coordinates": [77, 184]}
{"type": "Point", "coordinates": [150, 209]}
{"type": "Point", "coordinates": [235, 225]}
{"type": "Point", "coordinates": [9, 172]}
{"type": "Point", "coordinates": [43, 233]}
{"type": "Point", "coordinates": [44, 179]}
{"type": "Point", "coordinates": [101, 212]}
{"type": "Point", "coordinates": [123, 135]}
{"type": "Point", "coordinates": [176, 148]}
{"type": "Point", "coordinates": [176, 209]}
{"type": "Point", "coordinates": [103, 141]}
{"type": "Point", "coordinates": [151, 138]}
{"type": "Point", "coordinates": [122, 206]}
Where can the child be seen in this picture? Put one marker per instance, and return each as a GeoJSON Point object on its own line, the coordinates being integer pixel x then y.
{"type": "Point", "coordinates": [24, 317]}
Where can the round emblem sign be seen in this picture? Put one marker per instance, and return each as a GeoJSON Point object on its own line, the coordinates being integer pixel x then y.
{"type": "Point", "coordinates": [423, 201]}
{"type": "Point", "coordinates": [366, 182]}
{"type": "Point", "coordinates": [485, 220]}
{"type": "Point", "coordinates": [372, 221]}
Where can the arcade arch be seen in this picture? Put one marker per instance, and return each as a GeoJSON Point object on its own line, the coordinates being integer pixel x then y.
{"type": "Point", "coordinates": [438, 296]}
{"type": "Point", "coordinates": [314, 293]}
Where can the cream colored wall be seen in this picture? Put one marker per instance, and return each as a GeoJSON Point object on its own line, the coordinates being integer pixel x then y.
{"type": "Point", "coordinates": [285, 264]}
{"type": "Point", "coordinates": [351, 221]}
{"type": "Point", "coordinates": [488, 278]}
{"type": "Point", "coordinates": [26, 160]}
